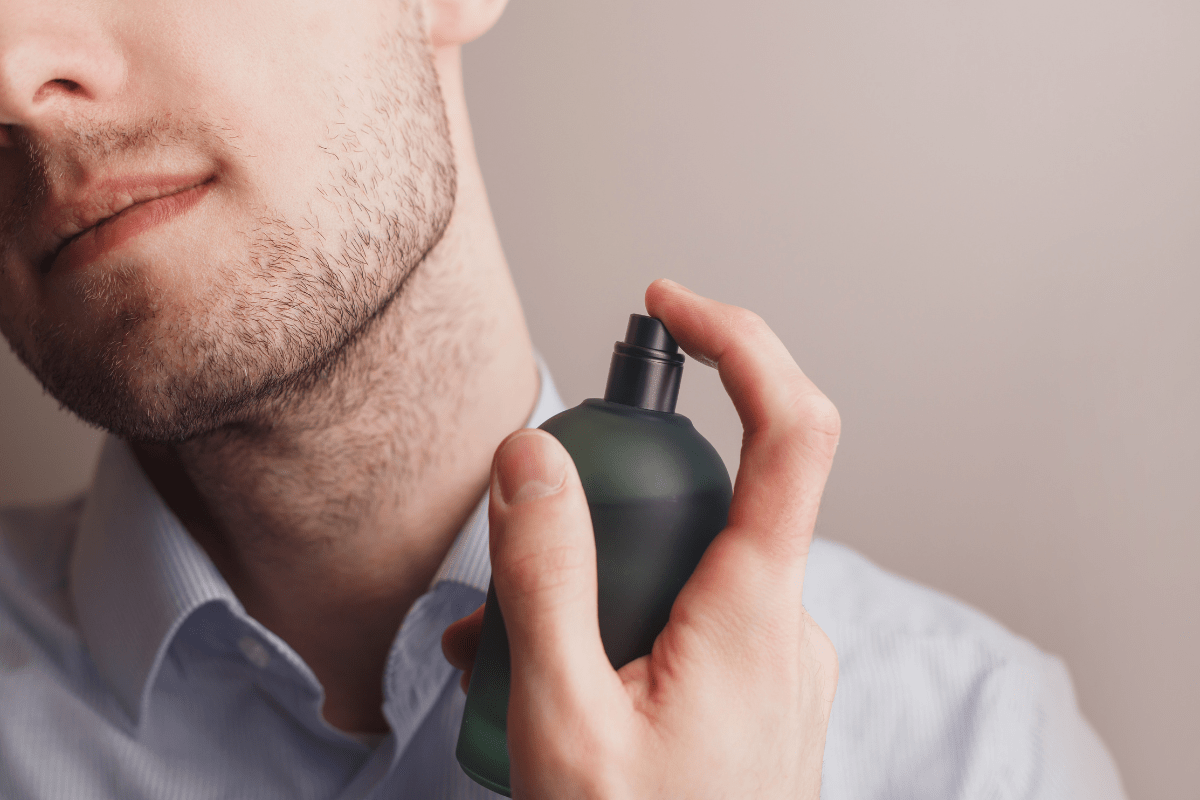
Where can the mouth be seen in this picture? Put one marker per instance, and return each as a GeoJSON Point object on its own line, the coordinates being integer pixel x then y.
{"type": "Point", "coordinates": [118, 212]}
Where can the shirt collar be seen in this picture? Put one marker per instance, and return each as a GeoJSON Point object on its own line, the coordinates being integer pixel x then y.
{"type": "Point", "coordinates": [136, 574]}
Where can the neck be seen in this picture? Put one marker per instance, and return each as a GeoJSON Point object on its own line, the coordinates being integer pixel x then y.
{"type": "Point", "coordinates": [332, 518]}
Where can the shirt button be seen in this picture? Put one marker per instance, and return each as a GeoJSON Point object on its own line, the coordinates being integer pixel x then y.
{"type": "Point", "coordinates": [254, 651]}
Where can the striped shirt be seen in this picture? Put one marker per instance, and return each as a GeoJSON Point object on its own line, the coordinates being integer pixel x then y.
{"type": "Point", "coordinates": [129, 670]}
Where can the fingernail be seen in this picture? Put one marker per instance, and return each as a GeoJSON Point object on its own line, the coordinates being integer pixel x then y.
{"type": "Point", "coordinates": [529, 466]}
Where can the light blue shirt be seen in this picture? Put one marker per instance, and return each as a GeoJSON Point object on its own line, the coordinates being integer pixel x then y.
{"type": "Point", "coordinates": [129, 670]}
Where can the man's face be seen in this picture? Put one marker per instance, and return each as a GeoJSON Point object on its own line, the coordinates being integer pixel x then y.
{"type": "Point", "coordinates": [288, 165]}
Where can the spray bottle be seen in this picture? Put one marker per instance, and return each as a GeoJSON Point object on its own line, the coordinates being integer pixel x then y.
{"type": "Point", "coordinates": [658, 493]}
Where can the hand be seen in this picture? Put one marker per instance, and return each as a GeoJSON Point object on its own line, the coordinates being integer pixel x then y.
{"type": "Point", "coordinates": [734, 699]}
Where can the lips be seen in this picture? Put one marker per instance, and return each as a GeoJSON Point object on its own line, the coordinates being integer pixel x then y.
{"type": "Point", "coordinates": [111, 213]}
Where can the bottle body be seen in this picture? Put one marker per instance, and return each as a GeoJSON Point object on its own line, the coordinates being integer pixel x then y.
{"type": "Point", "coordinates": [658, 494]}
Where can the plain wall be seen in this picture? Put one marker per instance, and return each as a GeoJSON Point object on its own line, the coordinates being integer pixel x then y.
{"type": "Point", "coordinates": [977, 227]}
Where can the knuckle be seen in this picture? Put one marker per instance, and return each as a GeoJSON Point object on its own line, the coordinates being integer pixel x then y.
{"type": "Point", "coordinates": [826, 655]}
{"type": "Point", "coordinates": [813, 675]}
{"type": "Point", "coordinates": [746, 321]}
{"type": "Point", "coordinates": [547, 571]}
{"type": "Point", "coordinates": [825, 418]}
{"type": "Point", "coordinates": [815, 420]}
{"type": "Point", "coordinates": [822, 658]}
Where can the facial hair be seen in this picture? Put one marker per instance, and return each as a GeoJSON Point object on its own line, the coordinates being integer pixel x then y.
{"type": "Point", "coordinates": [271, 325]}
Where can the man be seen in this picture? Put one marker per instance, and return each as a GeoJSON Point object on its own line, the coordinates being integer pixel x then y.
{"type": "Point", "coordinates": [251, 240]}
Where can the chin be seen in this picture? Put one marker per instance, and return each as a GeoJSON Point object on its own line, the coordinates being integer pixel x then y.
{"type": "Point", "coordinates": [145, 403]}
{"type": "Point", "coordinates": [158, 378]}
{"type": "Point", "coordinates": [134, 377]}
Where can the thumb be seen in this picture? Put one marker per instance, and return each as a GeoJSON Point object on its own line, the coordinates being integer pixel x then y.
{"type": "Point", "coordinates": [544, 569]}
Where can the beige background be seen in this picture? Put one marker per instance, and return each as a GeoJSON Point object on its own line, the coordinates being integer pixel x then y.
{"type": "Point", "coordinates": [976, 225]}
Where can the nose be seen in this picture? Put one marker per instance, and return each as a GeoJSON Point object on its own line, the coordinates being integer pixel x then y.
{"type": "Point", "coordinates": [55, 61]}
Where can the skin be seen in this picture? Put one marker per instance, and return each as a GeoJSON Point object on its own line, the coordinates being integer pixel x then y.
{"type": "Point", "coordinates": [318, 364]}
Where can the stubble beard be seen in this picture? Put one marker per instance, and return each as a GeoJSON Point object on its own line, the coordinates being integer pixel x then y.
{"type": "Point", "coordinates": [270, 328]}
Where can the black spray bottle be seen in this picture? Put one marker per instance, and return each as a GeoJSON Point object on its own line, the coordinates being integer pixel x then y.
{"type": "Point", "coordinates": [658, 493]}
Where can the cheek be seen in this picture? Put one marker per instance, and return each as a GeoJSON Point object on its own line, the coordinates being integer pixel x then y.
{"type": "Point", "coordinates": [281, 82]}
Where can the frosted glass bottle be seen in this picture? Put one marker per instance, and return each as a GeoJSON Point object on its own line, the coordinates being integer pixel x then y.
{"type": "Point", "coordinates": [658, 493]}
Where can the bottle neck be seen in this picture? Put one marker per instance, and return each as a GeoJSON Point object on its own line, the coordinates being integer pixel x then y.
{"type": "Point", "coordinates": [644, 378]}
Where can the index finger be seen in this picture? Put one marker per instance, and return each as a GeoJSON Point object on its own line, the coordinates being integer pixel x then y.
{"type": "Point", "coordinates": [791, 428]}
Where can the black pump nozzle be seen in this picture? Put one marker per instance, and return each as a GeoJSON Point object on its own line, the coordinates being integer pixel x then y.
{"type": "Point", "coordinates": [646, 368]}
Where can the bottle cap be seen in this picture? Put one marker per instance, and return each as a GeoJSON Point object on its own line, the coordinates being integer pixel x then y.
{"type": "Point", "coordinates": [646, 368]}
